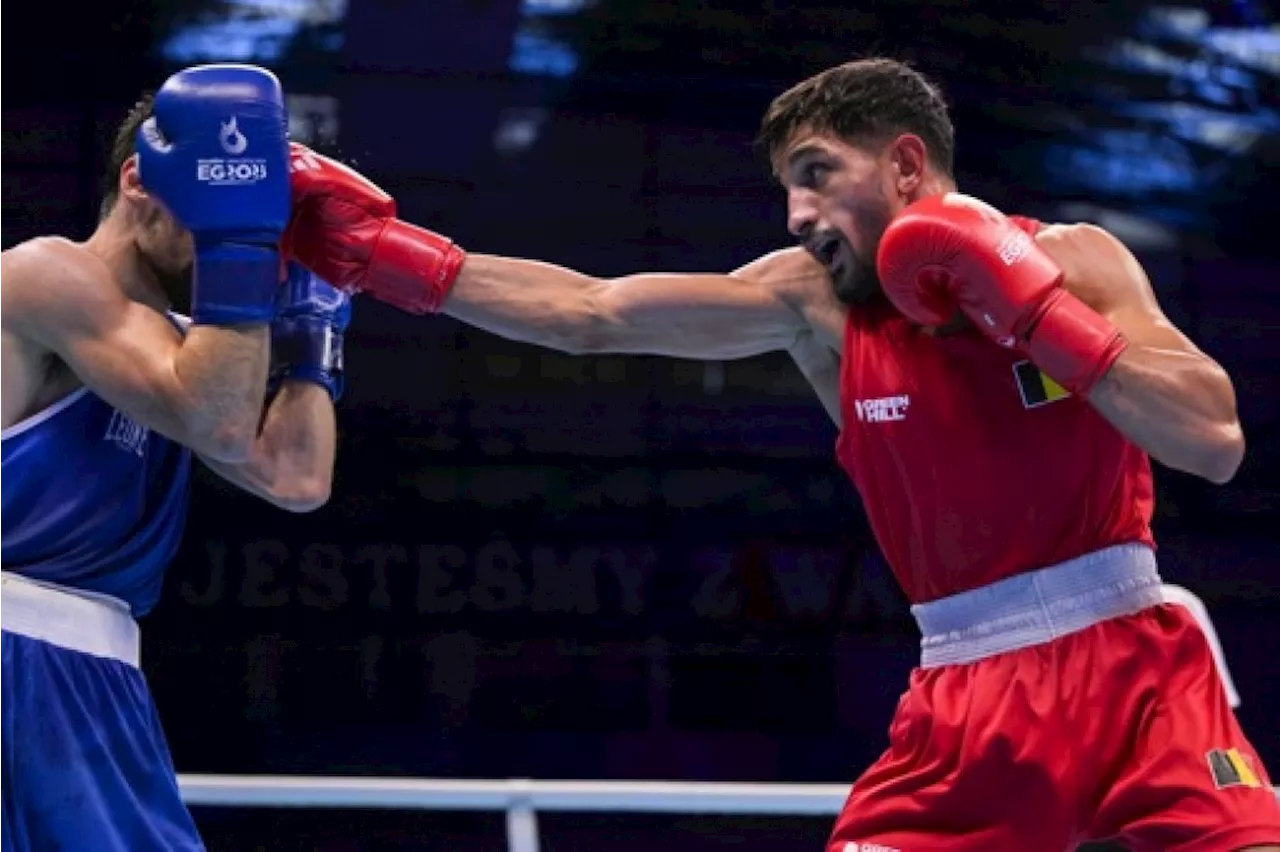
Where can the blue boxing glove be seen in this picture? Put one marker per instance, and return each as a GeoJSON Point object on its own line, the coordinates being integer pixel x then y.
{"type": "Point", "coordinates": [215, 152]}
{"type": "Point", "coordinates": [306, 336]}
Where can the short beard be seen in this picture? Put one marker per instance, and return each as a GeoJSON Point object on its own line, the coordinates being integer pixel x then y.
{"type": "Point", "coordinates": [858, 284]}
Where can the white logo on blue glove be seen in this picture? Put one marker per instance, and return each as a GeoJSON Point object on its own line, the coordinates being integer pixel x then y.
{"type": "Point", "coordinates": [232, 140]}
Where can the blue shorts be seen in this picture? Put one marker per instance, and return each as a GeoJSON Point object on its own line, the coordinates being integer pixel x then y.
{"type": "Point", "coordinates": [85, 763]}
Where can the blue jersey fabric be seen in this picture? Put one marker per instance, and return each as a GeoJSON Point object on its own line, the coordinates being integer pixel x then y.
{"type": "Point", "coordinates": [92, 500]}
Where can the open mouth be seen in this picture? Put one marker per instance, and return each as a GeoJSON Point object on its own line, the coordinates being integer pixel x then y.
{"type": "Point", "coordinates": [837, 259]}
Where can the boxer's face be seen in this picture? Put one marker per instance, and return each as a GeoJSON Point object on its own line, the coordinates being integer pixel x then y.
{"type": "Point", "coordinates": [840, 199]}
{"type": "Point", "coordinates": [167, 248]}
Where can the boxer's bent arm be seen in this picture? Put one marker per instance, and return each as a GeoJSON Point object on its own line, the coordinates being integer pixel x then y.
{"type": "Point", "coordinates": [682, 316]}
{"type": "Point", "coordinates": [291, 461]}
{"type": "Point", "coordinates": [204, 391]}
{"type": "Point", "coordinates": [1162, 393]}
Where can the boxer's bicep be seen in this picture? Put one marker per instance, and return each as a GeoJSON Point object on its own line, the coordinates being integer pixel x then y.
{"type": "Point", "coordinates": [683, 316]}
{"type": "Point", "coordinates": [1163, 393]}
{"type": "Point", "coordinates": [696, 316]}
{"type": "Point", "coordinates": [125, 352]}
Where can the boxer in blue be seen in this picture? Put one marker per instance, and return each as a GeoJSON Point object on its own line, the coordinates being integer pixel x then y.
{"type": "Point", "coordinates": [106, 395]}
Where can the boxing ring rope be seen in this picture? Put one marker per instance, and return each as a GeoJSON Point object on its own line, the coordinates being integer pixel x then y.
{"type": "Point", "coordinates": [522, 798]}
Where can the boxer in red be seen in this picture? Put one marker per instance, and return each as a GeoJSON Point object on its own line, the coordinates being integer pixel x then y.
{"type": "Point", "coordinates": [1001, 385]}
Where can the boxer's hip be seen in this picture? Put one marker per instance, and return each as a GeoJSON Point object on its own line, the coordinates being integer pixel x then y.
{"type": "Point", "coordinates": [82, 622]}
{"type": "Point", "coordinates": [85, 759]}
{"type": "Point", "coordinates": [1039, 606]}
{"type": "Point", "coordinates": [1087, 701]}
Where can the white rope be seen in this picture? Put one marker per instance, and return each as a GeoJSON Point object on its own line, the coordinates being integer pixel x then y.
{"type": "Point", "coordinates": [685, 797]}
{"type": "Point", "coordinates": [520, 798]}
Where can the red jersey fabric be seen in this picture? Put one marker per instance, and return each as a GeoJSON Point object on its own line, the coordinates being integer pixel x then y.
{"type": "Point", "coordinates": [972, 466]}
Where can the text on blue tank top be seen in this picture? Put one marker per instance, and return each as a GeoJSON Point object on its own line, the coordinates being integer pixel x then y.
{"type": "Point", "coordinates": [92, 500]}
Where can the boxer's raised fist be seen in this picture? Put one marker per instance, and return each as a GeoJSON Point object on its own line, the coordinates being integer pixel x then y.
{"type": "Point", "coordinates": [338, 217]}
{"type": "Point", "coordinates": [214, 152]}
{"type": "Point", "coordinates": [344, 228]}
{"type": "Point", "coordinates": [949, 252]}
{"type": "Point", "coordinates": [307, 332]}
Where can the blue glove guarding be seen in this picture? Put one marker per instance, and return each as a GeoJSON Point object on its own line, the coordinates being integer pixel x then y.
{"type": "Point", "coordinates": [215, 152]}
{"type": "Point", "coordinates": [307, 334]}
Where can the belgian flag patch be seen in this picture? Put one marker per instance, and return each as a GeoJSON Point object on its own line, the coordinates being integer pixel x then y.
{"type": "Point", "coordinates": [1035, 388]}
{"type": "Point", "coordinates": [1230, 768]}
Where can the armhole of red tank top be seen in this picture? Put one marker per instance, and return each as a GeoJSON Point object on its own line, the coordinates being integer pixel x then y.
{"type": "Point", "coordinates": [846, 366]}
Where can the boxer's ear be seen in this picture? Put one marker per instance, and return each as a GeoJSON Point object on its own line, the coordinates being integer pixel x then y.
{"type": "Point", "coordinates": [908, 158]}
{"type": "Point", "coordinates": [130, 181]}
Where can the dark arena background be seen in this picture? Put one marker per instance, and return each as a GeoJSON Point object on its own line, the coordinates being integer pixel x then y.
{"type": "Point", "coordinates": [611, 568]}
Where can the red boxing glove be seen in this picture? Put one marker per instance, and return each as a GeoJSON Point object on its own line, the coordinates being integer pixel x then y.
{"type": "Point", "coordinates": [952, 252]}
{"type": "Point", "coordinates": [344, 229]}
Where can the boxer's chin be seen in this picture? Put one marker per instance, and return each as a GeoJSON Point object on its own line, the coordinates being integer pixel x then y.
{"type": "Point", "coordinates": [856, 285]}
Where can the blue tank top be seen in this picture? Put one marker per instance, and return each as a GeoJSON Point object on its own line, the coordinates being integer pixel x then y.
{"type": "Point", "coordinates": [91, 500]}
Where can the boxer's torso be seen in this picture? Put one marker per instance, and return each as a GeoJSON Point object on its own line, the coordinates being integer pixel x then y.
{"type": "Point", "coordinates": [972, 467]}
{"type": "Point", "coordinates": [89, 498]}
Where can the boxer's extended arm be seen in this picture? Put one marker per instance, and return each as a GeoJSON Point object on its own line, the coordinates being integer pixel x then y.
{"type": "Point", "coordinates": [290, 463]}
{"type": "Point", "coordinates": [757, 309]}
{"type": "Point", "coordinates": [1162, 393]}
{"type": "Point", "coordinates": [204, 391]}
{"type": "Point", "coordinates": [344, 228]}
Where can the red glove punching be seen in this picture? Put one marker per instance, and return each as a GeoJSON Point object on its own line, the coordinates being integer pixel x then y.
{"type": "Point", "coordinates": [952, 252]}
{"type": "Point", "coordinates": [344, 229]}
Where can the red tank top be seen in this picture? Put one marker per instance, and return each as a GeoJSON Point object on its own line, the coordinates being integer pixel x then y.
{"type": "Point", "coordinates": [971, 465]}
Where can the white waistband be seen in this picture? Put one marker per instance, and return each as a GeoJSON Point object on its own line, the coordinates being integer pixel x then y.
{"type": "Point", "coordinates": [1038, 606]}
{"type": "Point", "coordinates": [79, 621]}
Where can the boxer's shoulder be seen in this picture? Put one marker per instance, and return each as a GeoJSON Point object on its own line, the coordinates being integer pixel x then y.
{"type": "Point", "coordinates": [1097, 267]}
{"type": "Point", "coordinates": [52, 279]}
{"type": "Point", "coordinates": [788, 270]}
{"type": "Point", "coordinates": [796, 278]}
{"type": "Point", "coordinates": [1077, 237]}
{"type": "Point", "coordinates": [31, 273]}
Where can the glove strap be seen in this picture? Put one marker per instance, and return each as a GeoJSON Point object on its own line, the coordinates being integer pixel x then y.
{"type": "Point", "coordinates": [235, 284]}
{"type": "Point", "coordinates": [308, 349]}
{"type": "Point", "coordinates": [413, 268]}
{"type": "Point", "coordinates": [1073, 344]}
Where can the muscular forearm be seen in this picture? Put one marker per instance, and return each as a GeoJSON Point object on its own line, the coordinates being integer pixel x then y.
{"type": "Point", "coordinates": [529, 301]}
{"type": "Point", "coordinates": [1178, 406]}
{"type": "Point", "coordinates": [222, 373]}
{"type": "Point", "coordinates": [700, 316]}
{"type": "Point", "coordinates": [290, 463]}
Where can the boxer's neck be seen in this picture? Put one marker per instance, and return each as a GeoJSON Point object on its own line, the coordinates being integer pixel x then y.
{"type": "Point", "coordinates": [115, 243]}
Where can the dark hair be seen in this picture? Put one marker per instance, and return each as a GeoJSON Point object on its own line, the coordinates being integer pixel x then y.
{"type": "Point", "coordinates": [868, 101]}
{"type": "Point", "coordinates": [122, 148]}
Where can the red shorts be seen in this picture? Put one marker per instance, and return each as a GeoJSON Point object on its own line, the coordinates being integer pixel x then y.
{"type": "Point", "coordinates": [1119, 731]}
